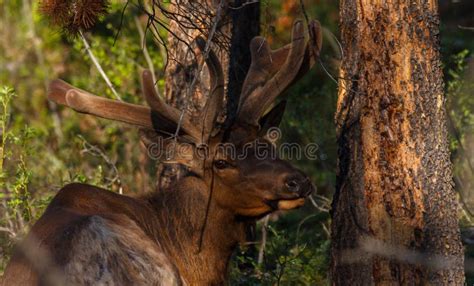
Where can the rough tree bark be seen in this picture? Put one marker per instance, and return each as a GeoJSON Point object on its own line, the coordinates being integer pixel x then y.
{"type": "Point", "coordinates": [394, 217]}
{"type": "Point", "coordinates": [238, 24]}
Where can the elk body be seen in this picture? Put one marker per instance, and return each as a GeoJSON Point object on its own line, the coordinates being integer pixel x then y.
{"type": "Point", "coordinates": [183, 235]}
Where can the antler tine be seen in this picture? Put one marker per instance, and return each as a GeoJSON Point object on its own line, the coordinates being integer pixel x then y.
{"type": "Point", "coordinates": [84, 102]}
{"type": "Point", "coordinates": [271, 72]}
{"type": "Point", "coordinates": [260, 69]}
{"type": "Point", "coordinates": [169, 112]}
{"type": "Point", "coordinates": [316, 38]}
{"type": "Point", "coordinates": [258, 101]}
{"type": "Point", "coordinates": [313, 48]}
{"type": "Point", "coordinates": [211, 109]}
{"type": "Point", "coordinates": [216, 97]}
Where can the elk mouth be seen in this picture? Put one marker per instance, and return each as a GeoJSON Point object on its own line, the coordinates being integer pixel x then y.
{"type": "Point", "coordinates": [290, 203]}
{"type": "Point", "coordinates": [285, 204]}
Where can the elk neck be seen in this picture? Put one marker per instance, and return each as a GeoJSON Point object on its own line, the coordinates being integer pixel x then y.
{"type": "Point", "coordinates": [180, 214]}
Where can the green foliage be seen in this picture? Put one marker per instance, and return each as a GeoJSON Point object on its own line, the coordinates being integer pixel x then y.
{"type": "Point", "coordinates": [460, 99]}
{"type": "Point", "coordinates": [15, 174]}
{"type": "Point", "coordinates": [40, 148]}
{"type": "Point", "coordinates": [285, 263]}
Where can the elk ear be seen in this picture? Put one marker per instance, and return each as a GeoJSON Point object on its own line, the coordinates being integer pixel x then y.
{"type": "Point", "coordinates": [272, 118]}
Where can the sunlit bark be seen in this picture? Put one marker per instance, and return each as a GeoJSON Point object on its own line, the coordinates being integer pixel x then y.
{"type": "Point", "coordinates": [395, 210]}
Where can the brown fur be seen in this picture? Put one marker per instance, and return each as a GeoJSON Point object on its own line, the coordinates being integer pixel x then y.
{"type": "Point", "coordinates": [93, 237]}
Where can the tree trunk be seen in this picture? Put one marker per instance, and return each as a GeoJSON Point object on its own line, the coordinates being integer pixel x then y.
{"type": "Point", "coordinates": [394, 217]}
{"type": "Point", "coordinates": [235, 28]}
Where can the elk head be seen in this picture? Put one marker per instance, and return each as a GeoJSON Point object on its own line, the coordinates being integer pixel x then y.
{"type": "Point", "coordinates": [237, 162]}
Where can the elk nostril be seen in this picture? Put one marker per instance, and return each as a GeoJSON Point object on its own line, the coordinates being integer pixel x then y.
{"type": "Point", "coordinates": [292, 186]}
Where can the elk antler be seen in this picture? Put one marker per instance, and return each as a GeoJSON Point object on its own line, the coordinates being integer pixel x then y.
{"type": "Point", "coordinates": [167, 111]}
{"type": "Point", "coordinates": [216, 97]}
{"type": "Point", "coordinates": [160, 117]}
{"type": "Point", "coordinates": [84, 102]}
{"type": "Point", "coordinates": [272, 72]}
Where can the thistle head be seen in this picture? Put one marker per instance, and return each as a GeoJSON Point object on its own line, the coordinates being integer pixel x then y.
{"type": "Point", "coordinates": [74, 15]}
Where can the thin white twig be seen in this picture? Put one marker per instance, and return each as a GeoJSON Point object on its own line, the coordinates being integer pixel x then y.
{"type": "Point", "coordinates": [301, 223]}
{"type": "Point", "coordinates": [323, 208]}
{"type": "Point", "coordinates": [244, 4]}
{"type": "Point", "coordinates": [261, 251]}
{"type": "Point", "coordinates": [7, 215]}
{"type": "Point", "coordinates": [148, 60]}
{"type": "Point", "coordinates": [326, 230]}
{"type": "Point", "coordinates": [466, 28]}
{"type": "Point", "coordinates": [98, 66]}
{"type": "Point", "coordinates": [96, 151]}
{"type": "Point", "coordinates": [9, 231]}
{"type": "Point", "coordinates": [37, 45]}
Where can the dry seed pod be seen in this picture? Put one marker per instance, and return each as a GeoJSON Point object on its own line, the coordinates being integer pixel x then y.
{"type": "Point", "coordinates": [74, 15]}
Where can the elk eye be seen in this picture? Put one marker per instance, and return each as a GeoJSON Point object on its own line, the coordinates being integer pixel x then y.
{"type": "Point", "coordinates": [221, 164]}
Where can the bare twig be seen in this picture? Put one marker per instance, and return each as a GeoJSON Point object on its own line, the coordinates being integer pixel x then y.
{"type": "Point", "coordinates": [463, 202]}
{"type": "Point", "coordinates": [97, 152]}
{"type": "Point", "coordinates": [303, 10]}
{"type": "Point", "coordinates": [334, 42]}
{"type": "Point", "coordinates": [10, 231]}
{"type": "Point", "coordinates": [189, 17]}
{"type": "Point", "coordinates": [7, 215]}
{"type": "Point", "coordinates": [154, 30]}
{"type": "Point", "coordinates": [326, 230]}
{"type": "Point", "coordinates": [466, 28]}
{"type": "Point", "coordinates": [200, 67]}
{"type": "Point", "coordinates": [122, 14]}
{"type": "Point", "coordinates": [301, 223]}
{"type": "Point", "coordinates": [28, 14]}
{"type": "Point", "coordinates": [326, 71]}
{"type": "Point", "coordinates": [325, 207]}
{"type": "Point", "coordinates": [261, 251]}
{"type": "Point", "coordinates": [20, 220]}
{"type": "Point", "coordinates": [97, 65]}
{"type": "Point", "coordinates": [458, 180]}
{"type": "Point", "coordinates": [244, 4]}
{"type": "Point", "coordinates": [148, 60]}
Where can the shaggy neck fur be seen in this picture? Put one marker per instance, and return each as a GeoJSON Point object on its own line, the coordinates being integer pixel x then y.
{"type": "Point", "coordinates": [180, 215]}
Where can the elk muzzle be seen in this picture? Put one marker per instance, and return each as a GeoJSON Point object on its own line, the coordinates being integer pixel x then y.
{"type": "Point", "coordinates": [296, 189]}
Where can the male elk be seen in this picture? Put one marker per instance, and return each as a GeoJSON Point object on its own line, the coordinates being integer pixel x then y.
{"type": "Point", "coordinates": [88, 235]}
